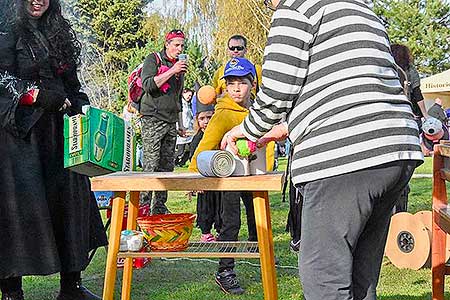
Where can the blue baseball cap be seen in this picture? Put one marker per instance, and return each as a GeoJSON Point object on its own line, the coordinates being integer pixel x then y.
{"type": "Point", "coordinates": [240, 67]}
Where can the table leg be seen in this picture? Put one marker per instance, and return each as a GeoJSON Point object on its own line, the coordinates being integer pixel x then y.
{"type": "Point", "coordinates": [133, 208]}
{"type": "Point", "coordinates": [438, 242]}
{"type": "Point", "coordinates": [265, 244]}
{"type": "Point", "coordinates": [113, 247]}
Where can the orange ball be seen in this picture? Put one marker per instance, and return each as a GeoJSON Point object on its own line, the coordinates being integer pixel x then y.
{"type": "Point", "coordinates": [206, 95]}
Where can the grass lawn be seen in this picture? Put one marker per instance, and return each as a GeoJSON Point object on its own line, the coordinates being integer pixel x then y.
{"type": "Point", "coordinates": [168, 279]}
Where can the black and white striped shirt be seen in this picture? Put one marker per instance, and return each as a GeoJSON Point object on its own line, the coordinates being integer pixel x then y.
{"type": "Point", "coordinates": [328, 70]}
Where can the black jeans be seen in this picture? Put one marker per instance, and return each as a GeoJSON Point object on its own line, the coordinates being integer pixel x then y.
{"type": "Point", "coordinates": [345, 221]}
{"type": "Point", "coordinates": [231, 221]}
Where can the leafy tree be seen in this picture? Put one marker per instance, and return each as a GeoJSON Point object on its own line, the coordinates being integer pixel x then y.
{"type": "Point", "coordinates": [423, 26]}
{"type": "Point", "coordinates": [115, 26]}
{"type": "Point", "coordinates": [225, 18]}
{"type": "Point", "coordinates": [200, 67]}
{"type": "Point", "coordinates": [109, 31]}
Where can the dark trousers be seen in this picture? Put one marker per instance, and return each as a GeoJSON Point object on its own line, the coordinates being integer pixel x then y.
{"type": "Point", "coordinates": [294, 220]}
{"type": "Point", "coordinates": [402, 204]}
{"type": "Point", "coordinates": [209, 207]}
{"type": "Point", "coordinates": [231, 221]}
{"type": "Point", "coordinates": [345, 221]}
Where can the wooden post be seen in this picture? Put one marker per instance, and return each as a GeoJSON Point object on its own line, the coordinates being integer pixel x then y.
{"type": "Point", "coordinates": [133, 208]}
{"type": "Point", "coordinates": [265, 244]}
{"type": "Point", "coordinates": [113, 247]}
{"type": "Point", "coordinates": [438, 235]}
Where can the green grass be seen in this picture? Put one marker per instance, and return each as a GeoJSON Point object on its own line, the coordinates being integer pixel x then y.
{"type": "Point", "coordinates": [194, 279]}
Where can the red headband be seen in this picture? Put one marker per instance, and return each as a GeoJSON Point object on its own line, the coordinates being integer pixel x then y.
{"type": "Point", "coordinates": [174, 34]}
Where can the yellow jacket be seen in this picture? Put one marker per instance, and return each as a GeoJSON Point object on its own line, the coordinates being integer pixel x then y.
{"type": "Point", "coordinates": [227, 115]}
{"type": "Point", "coordinates": [220, 84]}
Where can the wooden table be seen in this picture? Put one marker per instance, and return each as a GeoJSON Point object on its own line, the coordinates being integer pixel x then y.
{"type": "Point", "coordinates": [134, 182]}
{"type": "Point", "coordinates": [441, 219]}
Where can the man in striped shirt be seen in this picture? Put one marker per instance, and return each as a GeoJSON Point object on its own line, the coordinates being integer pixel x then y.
{"type": "Point", "coordinates": [329, 72]}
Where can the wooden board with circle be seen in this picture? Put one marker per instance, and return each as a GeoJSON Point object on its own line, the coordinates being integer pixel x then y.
{"type": "Point", "coordinates": [408, 243]}
{"type": "Point", "coordinates": [425, 216]}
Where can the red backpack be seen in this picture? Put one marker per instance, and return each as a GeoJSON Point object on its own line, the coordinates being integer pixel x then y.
{"type": "Point", "coordinates": [135, 81]}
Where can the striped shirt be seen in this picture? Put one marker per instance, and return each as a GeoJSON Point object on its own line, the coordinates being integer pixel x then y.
{"type": "Point", "coordinates": [328, 70]}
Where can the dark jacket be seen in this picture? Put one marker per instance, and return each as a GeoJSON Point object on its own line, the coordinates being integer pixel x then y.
{"type": "Point", "coordinates": [164, 106]}
{"type": "Point", "coordinates": [48, 215]}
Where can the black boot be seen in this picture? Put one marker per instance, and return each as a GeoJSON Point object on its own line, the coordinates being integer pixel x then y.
{"type": "Point", "coordinates": [11, 288]}
{"type": "Point", "coordinates": [72, 289]}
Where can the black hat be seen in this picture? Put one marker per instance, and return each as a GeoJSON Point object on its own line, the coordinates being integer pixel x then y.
{"type": "Point", "coordinates": [202, 107]}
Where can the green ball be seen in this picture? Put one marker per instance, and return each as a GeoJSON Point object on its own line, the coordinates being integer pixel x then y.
{"type": "Point", "coordinates": [243, 149]}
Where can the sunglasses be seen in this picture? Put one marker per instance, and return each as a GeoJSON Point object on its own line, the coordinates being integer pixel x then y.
{"type": "Point", "coordinates": [269, 5]}
{"type": "Point", "coordinates": [238, 48]}
{"type": "Point", "coordinates": [176, 31]}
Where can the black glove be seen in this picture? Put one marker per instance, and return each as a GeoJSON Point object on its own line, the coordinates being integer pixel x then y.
{"type": "Point", "coordinates": [50, 100]}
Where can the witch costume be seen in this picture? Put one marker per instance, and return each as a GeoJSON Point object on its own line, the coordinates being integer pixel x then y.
{"type": "Point", "coordinates": [49, 219]}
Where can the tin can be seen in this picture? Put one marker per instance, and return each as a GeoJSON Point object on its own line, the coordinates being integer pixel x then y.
{"type": "Point", "coordinates": [215, 163]}
{"type": "Point", "coordinates": [182, 56]}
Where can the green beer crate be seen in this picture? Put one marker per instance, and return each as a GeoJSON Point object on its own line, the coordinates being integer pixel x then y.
{"type": "Point", "coordinates": [98, 143]}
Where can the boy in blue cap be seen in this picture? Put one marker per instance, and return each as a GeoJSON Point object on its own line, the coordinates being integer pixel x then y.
{"type": "Point", "coordinates": [230, 110]}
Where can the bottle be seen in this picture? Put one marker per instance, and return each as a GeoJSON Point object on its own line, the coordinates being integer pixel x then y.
{"type": "Point", "coordinates": [100, 138]}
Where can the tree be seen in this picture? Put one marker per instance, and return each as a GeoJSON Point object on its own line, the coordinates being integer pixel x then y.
{"type": "Point", "coordinates": [225, 18]}
{"type": "Point", "coordinates": [113, 26]}
{"type": "Point", "coordinates": [423, 26]}
{"type": "Point", "coordinates": [200, 67]}
{"type": "Point", "coordinates": [110, 31]}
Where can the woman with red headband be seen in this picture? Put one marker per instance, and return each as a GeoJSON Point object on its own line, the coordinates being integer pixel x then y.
{"type": "Point", "coordinates": [162, 84]}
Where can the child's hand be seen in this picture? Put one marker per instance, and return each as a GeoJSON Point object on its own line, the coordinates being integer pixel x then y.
{"type": "Point", "coordinates": [193, 193]}
{"type": "Point", "coordinates": [189, 195]}
{"type": "Point", "coordinates": [230, 139]}
{"type": "Point", "coordinates": [181, 131]}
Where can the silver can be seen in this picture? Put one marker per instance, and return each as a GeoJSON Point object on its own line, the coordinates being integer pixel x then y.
{"type": "Point", "coordinates": [215, 163]}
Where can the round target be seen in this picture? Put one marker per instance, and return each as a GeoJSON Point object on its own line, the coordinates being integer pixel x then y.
{"type": "Point", "coordinates": [408, 242]}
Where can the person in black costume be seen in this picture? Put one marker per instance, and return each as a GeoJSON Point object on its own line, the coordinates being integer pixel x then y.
{"type": "Point", "coordinates": [48, 215]}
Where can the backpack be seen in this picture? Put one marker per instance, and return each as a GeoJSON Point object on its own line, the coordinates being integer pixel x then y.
{"type": "Point", "coordinates": [135, 81]}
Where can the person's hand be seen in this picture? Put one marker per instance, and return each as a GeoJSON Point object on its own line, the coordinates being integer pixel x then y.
{"type": "Point", "coordinates": [67, 104]}
{"type": "Point", "coordinates": [181, 131]}
{"type": "Point", "coordinates": [277, 133]}
{"type": "Point", "coordinates": [179, 67]}
{"type": "Point", "coordinates": [230, 139]}
{"type": "Point", "coordinates": [192, 194]}
{"type": "Point", "coordinates": [189, 195]}
{"type": "Point", "coordinates": [50, 100]}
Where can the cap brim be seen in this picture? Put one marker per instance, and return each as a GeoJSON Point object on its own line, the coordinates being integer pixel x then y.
{"type": "Point", "coordinates": [237, 74]}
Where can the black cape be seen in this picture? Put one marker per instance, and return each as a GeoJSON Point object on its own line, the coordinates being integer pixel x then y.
{"type": "Point", "coordinates": [49, 220]}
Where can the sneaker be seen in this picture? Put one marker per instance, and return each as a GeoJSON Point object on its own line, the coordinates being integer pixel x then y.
{"type": "Point", "coordinates": [294, 246]}
{"type": "Point", "coordinates": [207, 238]}
{"type": "Point", "coordinates": [228, 282]}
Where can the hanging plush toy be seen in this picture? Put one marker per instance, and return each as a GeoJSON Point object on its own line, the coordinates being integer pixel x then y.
{"type": "Point", "coordinates": [433, 132]}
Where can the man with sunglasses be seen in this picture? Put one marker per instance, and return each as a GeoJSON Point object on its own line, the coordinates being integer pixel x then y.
{"type": "Point", "coordinates": [329, 70]}
{"type": "Point", "coordinates": [162, 85]}
{"type": "Point", "coordinates": [236, 47]}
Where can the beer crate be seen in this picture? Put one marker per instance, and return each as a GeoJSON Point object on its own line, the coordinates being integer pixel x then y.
{"type": "Point", "coordinates": [98, 143]}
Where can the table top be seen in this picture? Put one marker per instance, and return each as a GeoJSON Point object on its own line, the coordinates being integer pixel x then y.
{"type": "Point", "coordinates": [169, 181]}
{"type": "Point", "coordinates": [443, 148]}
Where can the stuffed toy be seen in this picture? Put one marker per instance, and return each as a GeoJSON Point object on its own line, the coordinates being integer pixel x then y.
{"type": "Point", "coordinates": [433, 131]}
